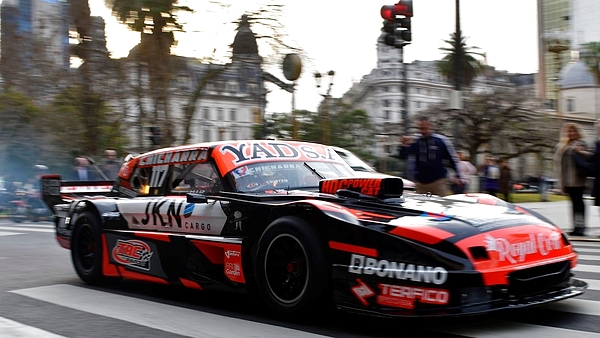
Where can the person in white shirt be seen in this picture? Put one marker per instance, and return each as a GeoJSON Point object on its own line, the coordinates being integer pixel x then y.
{"type": "Point", "coordinates": [465, 171]}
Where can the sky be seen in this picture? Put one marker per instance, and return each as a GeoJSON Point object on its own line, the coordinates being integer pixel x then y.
{"type": "Point", "coordinates": [342, 35]}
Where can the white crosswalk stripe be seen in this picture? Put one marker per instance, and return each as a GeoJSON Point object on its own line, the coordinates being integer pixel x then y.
{"type": "Point", "coordinates": [501, 329]}
{"type": "Point", "coordinates": [593, 284]}
{"type": "Point", "coordinates": [6, 233]}
{"type": "Point", "coordinates": [9, 229]}
{"type": "Point", "coordinates": [588, 250]}
{"type": "Point", "coordinates": [588, 258]}
{"type": "Point", "coordinates": [185, 322]}
{"type": "Point", "coordinates": [587, 268]}
{"type": "Point", "coordinates": [10, 328]}
{"type": "Point", "coordinates": [151, 314]}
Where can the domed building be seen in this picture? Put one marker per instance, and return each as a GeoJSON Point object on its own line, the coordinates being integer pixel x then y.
{"type": "Point", "coordinates": [229, 100]}
{"type": "Point", "coordinates": [579, 92]}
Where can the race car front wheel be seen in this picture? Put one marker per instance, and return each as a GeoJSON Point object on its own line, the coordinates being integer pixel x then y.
{"type": "Point", "coordinates": [86, 248]}
{"type": "Point", "coordinates": [290, 266]}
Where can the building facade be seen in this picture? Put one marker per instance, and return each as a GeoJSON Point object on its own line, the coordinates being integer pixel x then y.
{"type": "Point", "coordinates": [379, 93]}
{"type": "Point", "coordinates": [229, 100]}
{"type": "Point", "coordinates": [579, 93]}
{"type": "Point", "coordinates": [35, 38]}
{"type": "Point", "coordinates": [564, 26]}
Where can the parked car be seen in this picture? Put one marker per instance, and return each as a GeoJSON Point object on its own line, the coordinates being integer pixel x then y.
{"type": "Point", "coordinates": [296, 226]}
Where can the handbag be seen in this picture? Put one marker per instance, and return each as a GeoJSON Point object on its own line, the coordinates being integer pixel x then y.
{"type": "Point", "coordinates": [583, 167]}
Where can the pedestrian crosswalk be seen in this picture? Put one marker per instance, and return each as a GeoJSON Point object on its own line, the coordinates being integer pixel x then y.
{"type": "Point", "coordinates": [8, 228]}
{"type": "Point", "coordinates": [11, 328]}
{"type": "Point", "coordinates": [173, 319]}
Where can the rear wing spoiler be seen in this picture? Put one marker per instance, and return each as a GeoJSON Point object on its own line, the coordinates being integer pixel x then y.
{"type": "Point", "coordinates": [56, 191]}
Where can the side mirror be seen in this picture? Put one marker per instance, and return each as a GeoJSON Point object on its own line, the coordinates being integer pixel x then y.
{"type": "Point", "coordinates": [196, 198]}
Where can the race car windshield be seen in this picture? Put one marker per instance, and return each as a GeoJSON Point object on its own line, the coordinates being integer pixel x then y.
{"type": "Point", "coordinates": [265, 176]}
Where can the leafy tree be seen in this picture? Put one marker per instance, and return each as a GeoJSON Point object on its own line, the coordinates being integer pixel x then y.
{"type": "Point", "coordinates": [591, 56]}
{"type": "Point", "coordinates": [459, 65]}
{"type": "Point", "coordinates": [212, 72]}
{"type": "Point", "coordinates": [93, 133]}
{"type": "Point", "coordinates": [156, 22]}
{"type": "Point", "coordinates": [500, 123]}
{"type": "Point", "coordinates": [354, 131]}
{"type": "Point", "coordinates": [21, 145]}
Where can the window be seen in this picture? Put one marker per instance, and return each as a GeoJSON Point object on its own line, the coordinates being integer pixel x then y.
{"type": "Point", "coordinates": [206, 134]}
{"type": "Point", "coordinates": [220, 116]}
{"type": "Point", "coordinates": [232, 88]}
{"type": "Point", "coordinates": [570, 105]}
{"type": "Point", "coordinates": [206, 114]}
{"type": "Point", "coordinates": [386, 103]}
{"type": "Point", "coordinates": [233, 114]}
{"type": "Point", "coordinates": [386, 114]}
{"type": "Point", "coordinates": [284, 175]}
{"type": "Point", "coordinates": [196, 177]}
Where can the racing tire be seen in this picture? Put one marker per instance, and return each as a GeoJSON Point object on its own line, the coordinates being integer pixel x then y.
{"type": "Point", "coordinates": [291, 268]}
{"type": "Point", "coordinates": [86, 248]}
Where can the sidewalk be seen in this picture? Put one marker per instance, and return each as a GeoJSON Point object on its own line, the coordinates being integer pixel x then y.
{"type": "Point", "coordinates": [560, 214]}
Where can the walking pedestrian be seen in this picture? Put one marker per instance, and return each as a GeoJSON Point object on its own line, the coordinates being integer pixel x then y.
{"type": "Point", "coordinates": [505, 182]}
{"type": "Point", "coordinates": [82, 170]}
{"type": "Point", "coordinates": [430, 150]}
{"type": "Point", "coordinates": [571, 181]}
{"type": "Point", "coordinates": [596, 165]}
{"type": "Point", "coordinates": [491, 174]}
{"type": "Point", "coordinates": [110, 165]}
{"type": "Point", "coordinates": [465, 171]}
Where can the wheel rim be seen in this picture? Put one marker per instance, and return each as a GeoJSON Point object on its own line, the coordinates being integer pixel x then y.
{"type": "Point", "coordinates": [286, 269]}
{"type": "Point", "coordinates": [86, 248]}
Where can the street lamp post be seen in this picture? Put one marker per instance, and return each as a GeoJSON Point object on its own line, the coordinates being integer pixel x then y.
{"type": "Point", "coordinates": [325, 105]}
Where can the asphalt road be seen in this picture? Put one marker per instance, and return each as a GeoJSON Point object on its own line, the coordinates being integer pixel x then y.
{"type": "Point", "coordinates": [41, 296]}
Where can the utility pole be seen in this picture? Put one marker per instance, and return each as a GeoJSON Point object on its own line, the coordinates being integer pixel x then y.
{"type": "Point", "coordinates": [325, 106]}
{"type": "Point", "coordinates": [404, 91]}
{"type": "Point", "coordinates": [397, 25]}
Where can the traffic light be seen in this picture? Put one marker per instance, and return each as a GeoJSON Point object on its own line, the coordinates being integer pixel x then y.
{"type": "Point", "coordinates": [154, 135]}
{"type": "Point", "coordinates": [397, 23]}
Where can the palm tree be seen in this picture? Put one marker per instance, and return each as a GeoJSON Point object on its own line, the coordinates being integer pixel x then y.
{"type": "Point", "coordinates": [156, 21]}
{"type": "Point", "coordinates": [459, 66]}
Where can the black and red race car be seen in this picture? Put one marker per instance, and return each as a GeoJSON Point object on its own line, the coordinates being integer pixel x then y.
{"type": "Point", "coordinates": [292, 223]}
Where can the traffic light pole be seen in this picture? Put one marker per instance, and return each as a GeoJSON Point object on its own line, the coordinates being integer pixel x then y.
{"type": "Point", "coordinates": [397, 25]}
{"type": "Point", "coordinates": [404, 91]}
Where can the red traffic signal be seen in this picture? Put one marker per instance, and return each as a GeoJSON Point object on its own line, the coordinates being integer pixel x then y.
{"type": "Point", "coordinates": [403, 7]}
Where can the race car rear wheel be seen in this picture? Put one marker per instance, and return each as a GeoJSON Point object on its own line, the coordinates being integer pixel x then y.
{"type": "Point", "coordinates": [290, 266]}
{"type": "Point", "coordinates": [86, 248]}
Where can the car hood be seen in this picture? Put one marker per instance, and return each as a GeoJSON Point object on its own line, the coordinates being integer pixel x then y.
{"type": "Point", "coordinates": [491, 236]}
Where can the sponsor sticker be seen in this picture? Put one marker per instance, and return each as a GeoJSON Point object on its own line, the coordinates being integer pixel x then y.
{"type": "Point", "coordinates": [362, 291]}
{"type": "Point", "coordinates": [405, 296]}
{"type": "Point", "coordinates": [366, 186]}
{"type": "Point", "coordinates": [363, 265]}
{"type": "Point", "coordinates": [134, 253]}
{"type": "Point", "coordinates": [517, 252]}
{"type": "Point", "coordinates": [233, 265]}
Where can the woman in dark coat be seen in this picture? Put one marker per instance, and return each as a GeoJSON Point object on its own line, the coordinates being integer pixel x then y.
{"type": "Point", "coordinates": [596, 161]}
{"type": "Point", "coordinates": [505, 180]}
{"type": "Point", "coordinates": [572, 182]}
